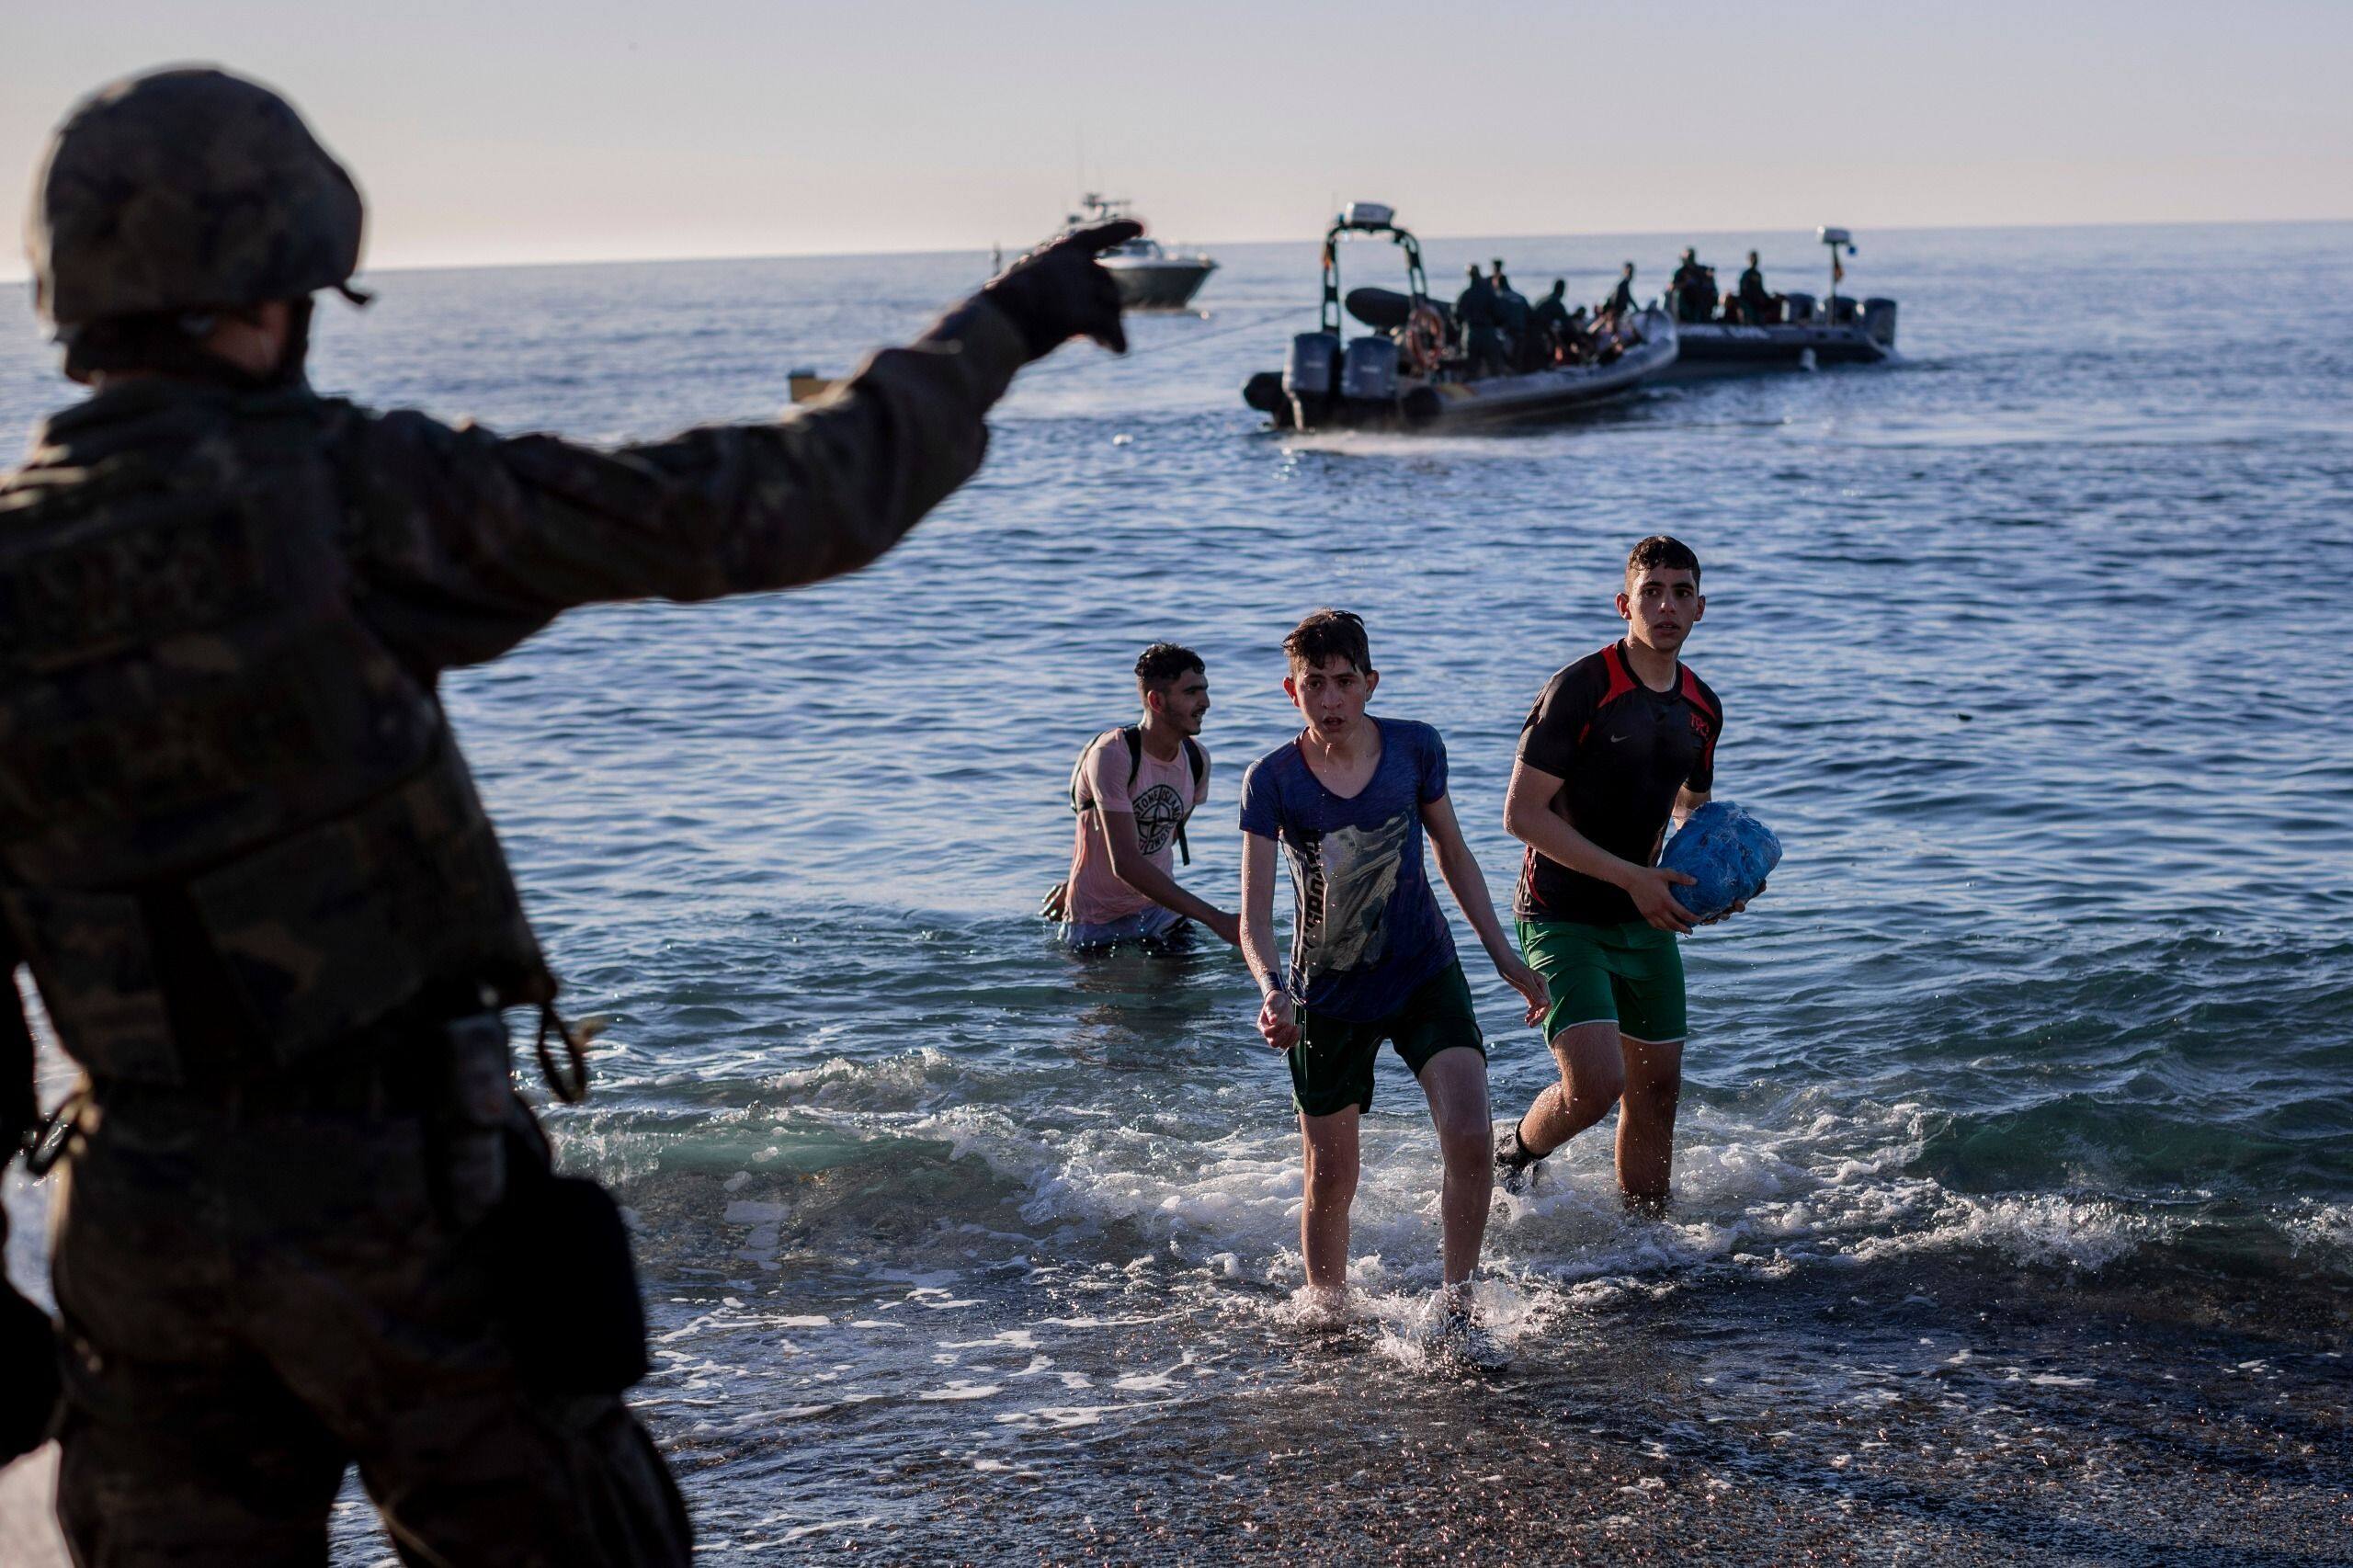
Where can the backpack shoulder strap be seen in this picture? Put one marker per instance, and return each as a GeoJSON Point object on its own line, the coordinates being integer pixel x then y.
{"type": "Point", "coordinates": [1080, 801]}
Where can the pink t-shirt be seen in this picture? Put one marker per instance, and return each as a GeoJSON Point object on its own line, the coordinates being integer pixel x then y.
{"type": "Point", "coordinates": [1162, 797]}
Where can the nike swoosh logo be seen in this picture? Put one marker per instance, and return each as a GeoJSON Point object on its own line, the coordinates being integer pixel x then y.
{"type": "Point", "coordinates": [1615, 739]}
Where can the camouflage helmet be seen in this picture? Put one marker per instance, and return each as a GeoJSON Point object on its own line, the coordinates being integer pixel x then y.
{"type": "Point", "coordinates": [185, 189]}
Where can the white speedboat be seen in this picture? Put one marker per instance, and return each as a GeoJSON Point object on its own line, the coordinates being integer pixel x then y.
{"type": "Point", "coordinates": [1148, 277]}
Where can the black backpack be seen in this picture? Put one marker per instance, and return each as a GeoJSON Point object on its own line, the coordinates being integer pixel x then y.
{"type": "Point", "coordinates": [1133, 735]}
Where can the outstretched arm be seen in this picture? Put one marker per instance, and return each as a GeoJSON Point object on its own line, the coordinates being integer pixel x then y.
{"type": "Point", "coordinates": [466, 542]}
{"type": "Point", "coordinates": [463, 543]}
{"type": "Point", "coordinates": [1460, 868]}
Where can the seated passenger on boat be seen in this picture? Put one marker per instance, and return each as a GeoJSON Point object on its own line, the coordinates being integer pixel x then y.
{"type": "Point", "coordinates": [1558, 330]}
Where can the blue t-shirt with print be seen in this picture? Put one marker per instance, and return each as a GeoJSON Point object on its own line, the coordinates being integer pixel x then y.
{"type": "Point", "coordinates": [1366, 932]}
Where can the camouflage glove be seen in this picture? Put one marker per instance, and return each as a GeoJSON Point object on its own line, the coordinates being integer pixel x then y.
{"type": "Point", "coordinates": [1060, 291]}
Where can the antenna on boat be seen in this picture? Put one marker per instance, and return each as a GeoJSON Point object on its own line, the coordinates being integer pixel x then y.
{"type": "Point", "coordinates": [1834, 238]}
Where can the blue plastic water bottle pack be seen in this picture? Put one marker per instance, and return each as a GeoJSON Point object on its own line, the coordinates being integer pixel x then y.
{"type": "Point", "coordinates": [1730, 853]}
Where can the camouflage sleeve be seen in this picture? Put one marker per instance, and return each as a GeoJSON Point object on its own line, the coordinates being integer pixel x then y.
{"type": "Point", "coordinates": [467, 542]}
{"type": "Point", "coordinates": [20, 1107]}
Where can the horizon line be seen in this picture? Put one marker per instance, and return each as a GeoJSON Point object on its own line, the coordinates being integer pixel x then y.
{"type": "Point", "coordinates": [485, 266]}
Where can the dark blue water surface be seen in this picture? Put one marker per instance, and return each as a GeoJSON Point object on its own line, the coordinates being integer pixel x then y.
{"type": "Point", "coordinates": [2018, 1124]}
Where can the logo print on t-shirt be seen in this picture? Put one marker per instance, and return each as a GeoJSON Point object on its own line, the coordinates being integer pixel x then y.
{"type": "Point", "coordinates": [1349, 876]}
{"type": "Point", "coordinates": [1158, 811]}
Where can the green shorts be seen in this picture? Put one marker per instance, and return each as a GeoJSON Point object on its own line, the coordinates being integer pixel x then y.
{"type": "Point", "coordinates": [1630, 975]}
{"type": "Point", "coordinates": [1330, 1066]}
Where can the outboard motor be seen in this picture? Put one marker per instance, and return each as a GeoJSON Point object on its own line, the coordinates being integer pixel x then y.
{"type": "Point", "coordinates": [1264, 392]}
{"type": "Point", "coordinates": [1369, 379]}
{"type": "Point", "coordinates": [1842, 311]}
{"type": "Point", "coordinates": [1308, 377]}
{"type": "Point", "coordinates": [1799, 308]}
{"type": "Point", "coordinates": [1879, 321]}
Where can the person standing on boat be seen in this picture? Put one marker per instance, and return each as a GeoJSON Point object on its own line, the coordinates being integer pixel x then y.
{"type": "Point", "coordinates": [1756, 303]}
{"type": "Point", "coordinates": [1476, 313]}
{"type": "Point", "coordinates": [1620, 302]}
{"type": "Point", "coordinates": [1550, 317]}
{"type": "Point", "coordinates": [1694, 287]}
{"type": "Point", "coordinates": [1133, 789]}
{"type": "Point", "coordinates": [1512, 318]}
{"type": "Point", "coordinates": [1616, 744]}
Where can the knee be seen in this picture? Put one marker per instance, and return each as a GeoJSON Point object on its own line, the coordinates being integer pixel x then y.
{"type": "Point", "coordinates": [1465, 1138]}
{"type": "Point", "coordinates": [1593, 1088]}
{"type": "Point", "coordinates": [1331, 1182]}
{"type": "Point", "coordinates": [1654, 1093]}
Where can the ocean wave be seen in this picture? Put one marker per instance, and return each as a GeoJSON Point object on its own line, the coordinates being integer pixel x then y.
{"type": "Point", "coordinates": [897, 1144]}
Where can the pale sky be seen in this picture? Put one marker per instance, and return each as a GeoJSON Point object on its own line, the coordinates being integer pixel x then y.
{"type": "Point", "coordinates": [540, 130]}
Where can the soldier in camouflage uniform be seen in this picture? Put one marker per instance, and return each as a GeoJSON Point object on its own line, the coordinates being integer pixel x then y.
{"type": "Point", "coordinates": [307, 1223]}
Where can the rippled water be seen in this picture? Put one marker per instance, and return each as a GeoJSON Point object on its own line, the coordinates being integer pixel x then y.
{"type": "Point", "coordinates": [2014, 1180]}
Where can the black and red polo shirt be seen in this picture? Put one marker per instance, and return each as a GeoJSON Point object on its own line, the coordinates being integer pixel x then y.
{"type": "Point", "coordinates": [1623, 750]}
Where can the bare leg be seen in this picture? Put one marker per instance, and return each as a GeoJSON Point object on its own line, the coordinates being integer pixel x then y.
{"type": "Point", "coordinates": [1456, 1081]}
{"type": "Point", "coordinates": [1593, 1075]}
{"type": "Point", "coordinates": [1329, 1184]}
{"type": "Point", "coordinates": [1646, 1125]}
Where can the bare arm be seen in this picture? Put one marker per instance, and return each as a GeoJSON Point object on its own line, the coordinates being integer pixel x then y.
{"type": "Point", "coordinates": [1460, 870]}
{"type": "Point", "coordinates": [1133, 867]}
{"type": "Point", "coordinates": [1528, 816]}
{"type": "Point", "coordinates": [1278, 1015]}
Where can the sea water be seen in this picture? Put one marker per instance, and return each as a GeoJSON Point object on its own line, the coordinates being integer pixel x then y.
{"type": "Point", "coordinates": [2014, 1178]}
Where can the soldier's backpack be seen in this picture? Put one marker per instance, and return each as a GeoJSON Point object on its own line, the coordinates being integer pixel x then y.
{"type": "Point", "coordinates": [1081, 802]}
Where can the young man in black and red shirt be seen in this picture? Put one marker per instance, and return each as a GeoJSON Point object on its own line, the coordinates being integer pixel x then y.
{"type": "Point", "coordinates": [1618, 742]}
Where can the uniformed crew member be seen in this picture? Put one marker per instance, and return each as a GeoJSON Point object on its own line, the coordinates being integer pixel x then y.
{"type": "Point", "coordinates": [308, 1222]}
{"type": "Point", "coordinates": [1755, 299]}
{"type": "Point", "coordinates": [1621, 298]}
{"type": "Point", "coordinates": [1475, 311]}
{"type": "Point", "coordinates": [1694, 287]}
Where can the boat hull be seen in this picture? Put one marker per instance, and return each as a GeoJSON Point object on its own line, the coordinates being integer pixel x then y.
{"type": "Point", "coordinates": [1722, 348]}
{"type": "Point", "coordinates": [1492, 402]}
{"type": "Point", "coordinates": [1159, 285]}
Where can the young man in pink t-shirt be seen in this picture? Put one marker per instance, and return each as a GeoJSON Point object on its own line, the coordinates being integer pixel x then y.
{"type": "Point", "coordinates": [1132, 789]}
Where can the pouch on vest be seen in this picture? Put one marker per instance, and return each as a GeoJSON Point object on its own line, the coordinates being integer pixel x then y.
{"type": "Point", "coordinates": [566, 1288]}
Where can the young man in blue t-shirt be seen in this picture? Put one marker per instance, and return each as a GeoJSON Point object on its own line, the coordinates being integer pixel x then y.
{"type": "Point", "coordinates": [1349, 799]}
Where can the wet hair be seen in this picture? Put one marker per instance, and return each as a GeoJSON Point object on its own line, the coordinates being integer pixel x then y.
{"type": "Point", "coordinates": [1329, 634]}
{"type": "Point", "coordinates": [1163, 663]}
{"type": "Point", "coordinates": [1659, 551]}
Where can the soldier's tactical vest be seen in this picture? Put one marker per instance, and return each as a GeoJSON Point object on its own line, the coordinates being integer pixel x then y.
{"type": "Point", "coordinates": [235, 830]}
